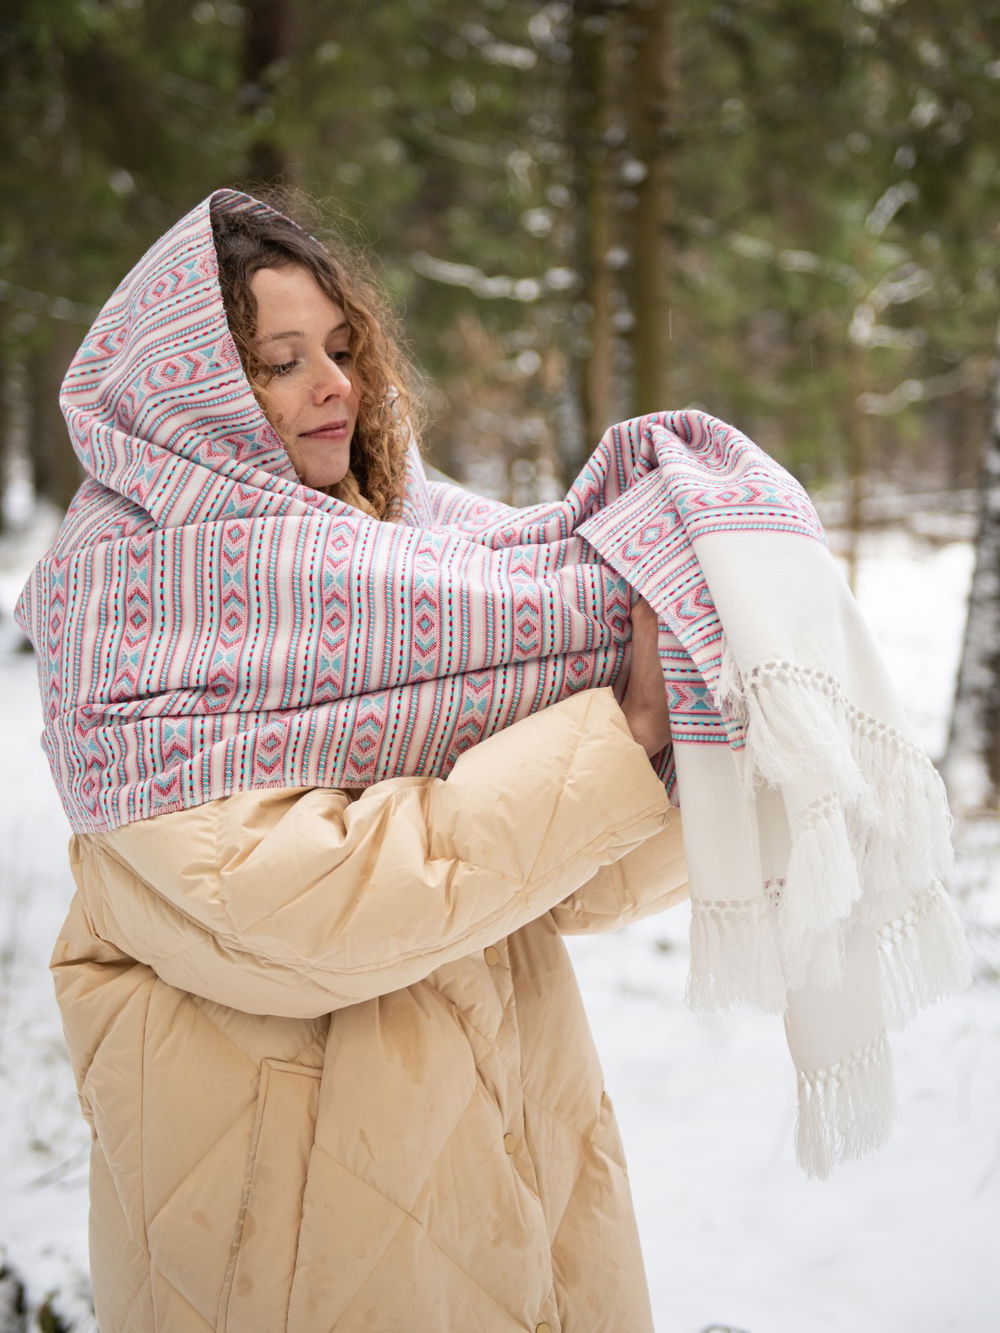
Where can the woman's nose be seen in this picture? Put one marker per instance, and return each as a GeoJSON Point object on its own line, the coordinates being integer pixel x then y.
{"type": "Point", "coordinates": [332, 382]}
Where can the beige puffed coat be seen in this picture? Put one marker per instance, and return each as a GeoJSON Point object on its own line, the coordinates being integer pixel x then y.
{"type": "Point", "coordinates": [334, 1057]}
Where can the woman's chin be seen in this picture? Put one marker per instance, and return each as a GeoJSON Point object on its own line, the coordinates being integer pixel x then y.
{"type": "Point", "coordinates": [323, 481]}
{"type": "Point", "coordinates": [329, 469]}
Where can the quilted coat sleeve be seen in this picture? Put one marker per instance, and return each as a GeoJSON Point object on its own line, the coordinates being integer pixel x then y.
{"type": "Point", "coordinates": [650, 878]}
{"type": "Point", "coordinates": [299, 901]}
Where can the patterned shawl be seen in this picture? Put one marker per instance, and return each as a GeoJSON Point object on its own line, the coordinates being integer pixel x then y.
{"type": "Point", "coordinates": [206, 624]}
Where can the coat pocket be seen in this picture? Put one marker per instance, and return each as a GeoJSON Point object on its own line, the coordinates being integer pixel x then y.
{"type": "Point", "coordinates": [259, 1280]}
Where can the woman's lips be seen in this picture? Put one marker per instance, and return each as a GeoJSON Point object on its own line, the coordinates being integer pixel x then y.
{"type": "Point", "coordinates": [333, 430]}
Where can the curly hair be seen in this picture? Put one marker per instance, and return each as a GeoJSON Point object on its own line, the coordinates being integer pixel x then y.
{"type": "Point", "coordinates": [383, 378]}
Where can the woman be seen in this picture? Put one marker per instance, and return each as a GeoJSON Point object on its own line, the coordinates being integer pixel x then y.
{"type": "Point", "coordinates": [339, 754]}
{"type": "Point", "coordinates": [329, 1042]}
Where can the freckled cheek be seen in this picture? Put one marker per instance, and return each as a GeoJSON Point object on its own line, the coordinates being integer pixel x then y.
{"type": "Point", "coordinates": [281, 408]}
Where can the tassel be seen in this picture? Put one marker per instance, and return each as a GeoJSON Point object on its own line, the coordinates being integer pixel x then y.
{"type": "Point", "coordinates": [818, 960]}
{"type": "Point", "coordinates": [734, 957]}
{"type": "Point", "coordinates": [730, 695]}
{"type": "Point", "coordinates": [909, 840]}
{"type": "Point", "coordinates": [821, 889]}
{"type": "Point", "coordinates": [924, 956]}
{"type": "Point", "coordinates": [821, 882]}
{"type": "Point", "coordinates": [846, 1109]}
{"type": "Point", "coordinates": [797, 727]}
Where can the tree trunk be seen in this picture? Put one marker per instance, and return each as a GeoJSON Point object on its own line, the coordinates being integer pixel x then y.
{"type": "Point", "coordinates": [858, 453]}
{"type": "Point", "coordinates": [56, 472]}
{"type": "Point", "coordinates": [6, 431]}
{"type": "Point", "coordinates": [649, 172]}
{"type": "Point", "coordinates": [972, 761]}
{"type": "Point", "coordinates": [267, 39]}
{"type": "Point", "coordinates": [588, 116]}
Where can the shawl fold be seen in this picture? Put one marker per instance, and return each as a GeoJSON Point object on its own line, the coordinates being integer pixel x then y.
{"type": "Point", "coordinates": [206, 624]}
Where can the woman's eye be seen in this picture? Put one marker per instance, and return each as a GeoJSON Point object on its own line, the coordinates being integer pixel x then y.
{"type": "Point", "coordinates": [284, 368]}
{"type": "Point", "coordinates": [341, 357]}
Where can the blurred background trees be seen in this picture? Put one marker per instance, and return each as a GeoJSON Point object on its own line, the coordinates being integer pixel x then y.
{"type": "Point", "coordinates": [783, 212]}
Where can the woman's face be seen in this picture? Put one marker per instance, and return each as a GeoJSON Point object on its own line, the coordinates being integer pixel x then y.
{"type": "Point", "coordinates": [305, 339]}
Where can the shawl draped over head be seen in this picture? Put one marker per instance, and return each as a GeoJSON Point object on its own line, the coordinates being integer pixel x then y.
{"type": "Point", "coordinates": [206, 624]}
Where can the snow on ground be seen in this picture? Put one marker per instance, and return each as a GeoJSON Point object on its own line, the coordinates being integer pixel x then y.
{"type": "Point", "coordinates": [733, 1233]}
{"type": "Point", "coordinates": [903, 1242]}
{"type": "Point", "coordinates": [43, 1139]}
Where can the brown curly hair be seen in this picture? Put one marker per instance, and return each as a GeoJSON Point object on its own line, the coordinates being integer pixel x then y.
{"type": "Point", "coordinates": [383, 378]}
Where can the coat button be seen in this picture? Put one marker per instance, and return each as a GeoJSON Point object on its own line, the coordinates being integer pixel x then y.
{"type": "Point", "coordinates": [509, 1144]}
{"type": "Point", "coordinates": [543, 1328]}
{"type": "Point", "coordinates": [491, 955]}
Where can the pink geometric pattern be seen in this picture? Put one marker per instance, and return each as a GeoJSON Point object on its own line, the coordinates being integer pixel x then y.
{"type": "Point", "coordinates": [204, 623]}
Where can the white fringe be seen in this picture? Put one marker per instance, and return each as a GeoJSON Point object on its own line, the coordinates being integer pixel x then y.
{"type": "Point", "coordinates": [734, 957]}
{"type": "Point", "coordinates": [870, 839]}
{"type": "Point", "coordinates": [821, 888]}
{"type": "Point", "coordinates": [881, 824]}
{"type": "Point", "coordinates": [730, 693]}
{"type": "Point", "coordinates": [923, 955]}
{"type": "Point", "coordinates": [795, 724]}
{"type": "Point", "coordinates": [874, 767]}
{"type": "Point", "coordinates": [846, 1109]}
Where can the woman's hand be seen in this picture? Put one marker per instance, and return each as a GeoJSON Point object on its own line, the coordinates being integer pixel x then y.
{"type": "Point", "coordinates": [645, 701]}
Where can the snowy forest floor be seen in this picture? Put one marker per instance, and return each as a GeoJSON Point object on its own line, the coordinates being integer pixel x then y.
{"type": "Point", "coordinates": [734, 1236]}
